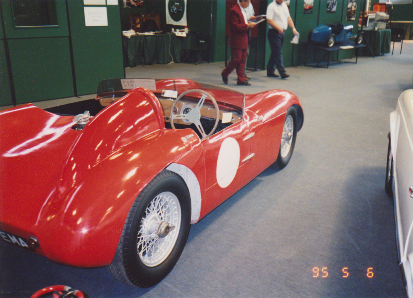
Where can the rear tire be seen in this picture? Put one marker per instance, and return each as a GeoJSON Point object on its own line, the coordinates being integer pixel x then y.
{"type": "Point", "coordinates": [388, 184]}
{"type": "Point", "coordinates": [359, 38]}
{"type": "Point", "coordinates": [155, 232]}
{"type": "Point", "coordinates": [310, 34]}
{"type": "Point", "coordinates": [288, 138]}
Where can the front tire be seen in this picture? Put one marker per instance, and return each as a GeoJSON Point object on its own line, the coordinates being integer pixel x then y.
{"type": "Point", "coordinates": [331, 39]}
{"type": "Point", "coordinates": [155, 232]}
{"type": "Point", "coordinates": [359, 38]}
{"type": "Point", "coordinates": [310, 34]}
{"type": "Point", "coordinates": [288, 138]}
{"type": "Point", "coordinates": [388, 184]}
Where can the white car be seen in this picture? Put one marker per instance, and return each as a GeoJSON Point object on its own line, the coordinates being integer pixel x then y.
{"type": "Point", "coordinates": [399, 182]}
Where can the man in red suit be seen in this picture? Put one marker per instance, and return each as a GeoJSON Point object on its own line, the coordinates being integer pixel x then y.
{"type": "Point", "coordinates": [238, 41]}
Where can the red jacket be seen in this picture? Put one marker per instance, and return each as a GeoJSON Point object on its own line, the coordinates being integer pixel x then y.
{"type": "Point", "coordinates": [238, 33]}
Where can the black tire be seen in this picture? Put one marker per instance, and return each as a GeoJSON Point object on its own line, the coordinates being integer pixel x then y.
{"type": "Point", "coordinates": [310, 34]}
{"type": "Point", "coordinates": [331, 39]}
{"type": "Point", "coordinates": [287, 139]}
{"type": "Point", "coordinates": [388, 184]}
{"type": "Point", "coordinates": [135, 262]}
{"type": "Point", "coordinates": [359, 38]}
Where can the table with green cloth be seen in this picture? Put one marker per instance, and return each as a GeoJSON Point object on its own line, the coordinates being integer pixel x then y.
{"type": "Point", "coordinates": [378, 40]}
{"type": "Point", "coordinates": [407, 26]}
{"type": "Point", "coordinates": [157, 48]}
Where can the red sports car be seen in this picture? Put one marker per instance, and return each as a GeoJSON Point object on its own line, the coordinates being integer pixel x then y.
{"type": "Point", "coordinates": [116, 181]}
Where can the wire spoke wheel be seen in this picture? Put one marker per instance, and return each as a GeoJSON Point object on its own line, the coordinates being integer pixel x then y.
{"type": "Point", "coordinates": [159, 229]}
{"type": "Point", "coordinates": [155, 232]}
{"type": "Point", "coordinates": [287, 137]}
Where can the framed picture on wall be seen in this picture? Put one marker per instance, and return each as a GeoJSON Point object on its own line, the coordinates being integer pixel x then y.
{"type": "Point", "coordinates": [132, 3]}
{"type": "Point", "coordinates": [351, 10]}
{"type": "Point", "coordinates": [308, 6]}
{"type": "Point", "coordinates": [331, 6]}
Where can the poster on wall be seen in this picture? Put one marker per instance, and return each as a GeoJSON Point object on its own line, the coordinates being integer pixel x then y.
{"type": "Point", "coordinates": [351, 10]}
{"type": "Point", "coordinates": [331, 6]}
{"type": "Point", "coordinates": [132, 3]}
{"type": "Point", "coordinates": [308, 6]}
{"type": "Point", "coordinates": [96, 16]}
{"type": "Point", "coordinates": [396, 1]}
{"type": "Point", "coordinates": [176, 12]}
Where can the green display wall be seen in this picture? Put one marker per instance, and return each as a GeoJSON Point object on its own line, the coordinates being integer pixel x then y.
{"type": "Point", "coordinates": [41, 68]}
{"type": "Point", "coordinates": [62, 58]}
{"type": "Point", "coordinates": [38, 57]}
{"type": "Point", "coordinates": [97, 50]}
{"type": "Point", "coordinates": [6, 97]}
{"type": "Point", "coordinates": [403, 12]}
{"type": "Point", "coordinates": [306, 22]}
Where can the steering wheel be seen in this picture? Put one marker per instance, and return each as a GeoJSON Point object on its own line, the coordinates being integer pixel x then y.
{"type": "Point", "coordinates": [190, 115]}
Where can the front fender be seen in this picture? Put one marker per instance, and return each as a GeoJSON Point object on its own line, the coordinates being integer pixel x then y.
{"type": "Point", "coordinates": [270, 104]}
{"type": "Point", "coordinates": [320, 33]}
{"type": "Point", "coordinates": [82, 223]}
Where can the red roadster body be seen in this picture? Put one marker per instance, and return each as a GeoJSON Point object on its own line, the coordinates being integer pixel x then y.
{"type": "Point", "coordinates": [119, 185]}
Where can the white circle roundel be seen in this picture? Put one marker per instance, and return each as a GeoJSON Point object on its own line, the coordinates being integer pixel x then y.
{"type": "Point", "coordinates": [228, 162]}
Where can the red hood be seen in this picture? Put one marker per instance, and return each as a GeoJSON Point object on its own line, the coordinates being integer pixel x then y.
{"type": "Point", "coordinates": [34, 145]}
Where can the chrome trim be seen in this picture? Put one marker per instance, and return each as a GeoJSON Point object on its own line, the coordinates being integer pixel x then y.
{"type": "Point", "coordinates": [249, 136]}
{"type": "Point", "coordinates": [248, 157]}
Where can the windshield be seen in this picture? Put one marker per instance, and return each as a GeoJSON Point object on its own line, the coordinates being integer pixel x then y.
{"type": "Point", "coordinates": [116, 88]}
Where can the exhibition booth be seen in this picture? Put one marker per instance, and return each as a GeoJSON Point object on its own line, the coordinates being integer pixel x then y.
{"type": "Point", "coordinates": [81, 42]}
{"type": "Point", "coordinates": [139, 172]}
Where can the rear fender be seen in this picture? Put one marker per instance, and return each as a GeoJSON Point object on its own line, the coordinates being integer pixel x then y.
{"type": "Point", "coordinates": [81, 224]}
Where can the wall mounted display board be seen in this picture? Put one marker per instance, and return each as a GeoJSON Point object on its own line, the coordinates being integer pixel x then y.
{"type": "Point", "coordinates": [97, 50]}
{"type": "Point", "coordinates": [304, 23]}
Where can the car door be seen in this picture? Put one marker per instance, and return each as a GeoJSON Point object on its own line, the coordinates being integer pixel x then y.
{"type": "Point", "coordinates": [404, 174]}
{"type": "Point", "coordinates": [227, 156]}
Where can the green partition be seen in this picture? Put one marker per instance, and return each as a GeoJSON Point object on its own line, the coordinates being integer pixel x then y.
{"type": "Point", "coordinates": [402, 12]}
{"type": "Point", "coordinates": [360, 3]}
{"type": "Point", "coordinates": [97, 50]}
{"type": "Point", "coordinates": [325, 17]}
{"type": "Point", "coordinates": [304, 22]}
{"type": "Point", "coordinates": [217, 46]}
{"type": "Point", "coordinates": [39, 55]}
{"type": "Point", "coordinates": [6, 97]}
{"type": "Point", "coordinates": [41, 68]}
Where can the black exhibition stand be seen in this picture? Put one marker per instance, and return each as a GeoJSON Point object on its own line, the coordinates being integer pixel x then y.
{"type": "Point", "coordinates": [327, 51]}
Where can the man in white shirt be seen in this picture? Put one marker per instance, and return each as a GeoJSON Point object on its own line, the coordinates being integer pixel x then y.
{"type": "Point", "coordinates": [278, 18]}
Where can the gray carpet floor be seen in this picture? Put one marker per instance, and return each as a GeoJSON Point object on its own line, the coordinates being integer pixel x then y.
{"type": "Point", "coordinates": [289, 233]}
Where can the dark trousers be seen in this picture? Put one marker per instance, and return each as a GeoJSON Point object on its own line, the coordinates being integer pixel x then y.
{"type": "Point", "coordinates": [276, 41]}
{"type": "Point", "coordinates": [238, 60]}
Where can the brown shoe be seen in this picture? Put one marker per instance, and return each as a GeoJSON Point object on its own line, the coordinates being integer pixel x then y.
{"type": "Point", "coordinates": [245, 83]}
